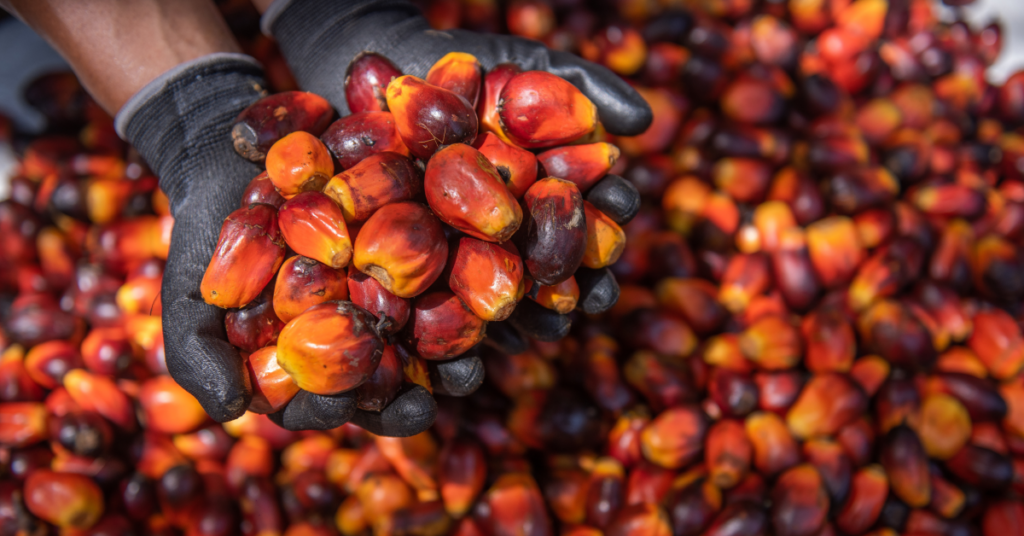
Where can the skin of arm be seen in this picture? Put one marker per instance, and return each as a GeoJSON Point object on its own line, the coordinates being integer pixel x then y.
{"type": "Point", "coordinates": [116, 47]}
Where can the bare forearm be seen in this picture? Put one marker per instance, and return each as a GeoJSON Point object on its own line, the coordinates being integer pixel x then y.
{"type": "Point", "coordinates": [118, 46]}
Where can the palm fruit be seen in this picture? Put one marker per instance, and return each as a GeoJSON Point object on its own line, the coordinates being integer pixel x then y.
{"type": "Point", "coordinates": [298, 163]}
{"type": "Point", "coordinates": [465, 190]}
{"type": "Point", "coordinates": [553, 237]}
{"type": "Point", "coordinates": [537, 109]}
{"type": "Point", "coordinates": [313, 226]}
{"type": "Point", "coordinates": [441, 326]}
{"type": "Point", "coordinates": [271, 118]}
{"type": "Point", "coordinates": [249, 252]}
{"type": "Point", "coordinates": [488, 277]}
{"type": "Point", "coordinates": [373, 182]}
{"type": "Point", "coordinates": [459, 73]}
{"type": "Point", "coordinates": [360, 135]}
{"type": "Point", "coordinates": [428, 117]}
{"type": "Point", "coordinates": [366, 81]}
{"type": "Point", "coordinates": [302, 283]}
{"type": "Point", "coordinates": [403, 247]}
{"type": "Point", "coordinates": [516, 167]}
{"type": "Point", "coordinates": [272, 387]}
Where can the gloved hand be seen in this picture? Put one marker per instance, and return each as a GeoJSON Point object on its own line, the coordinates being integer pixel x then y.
{"type": "Point", "coordinates": [319, 38]}
{"type": "Point", "coordinates": [181, 124]}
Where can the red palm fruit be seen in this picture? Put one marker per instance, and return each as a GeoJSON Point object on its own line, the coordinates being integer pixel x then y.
{"type": "Point", "coordinates": [314, 226]}
{"type": "Point", "coordinates": [994, 265]}
{"type": "Point", "coordinates": [553, 239]}
{"type": "Point", "coordinates": [1013, 394]}
{"type": "Point", "coordinates": [827, 403]}
{"type": "Point", "coordinates": [24, 423]}
{"type": "Point", "coordinates": [249, 252]}
{"type": "Point", "coordinates": [852, 192]}
{"type": "Point", "coordinates": [874, 226]}
{"type": "Point", "coordinates": [487, 106]}
{"type": "Point", "coordinates": [772, 219]}
{"type": "Point", "coordinates": [157, 454]}
{"type": "Point", "coordinates": [981, 467]}
{"type": "Point", "coordinates": [302, 283]}
{"type": "Point", "coordinates": [745, 277]}
{"type": "Point", "coordinates": [560, 297]}
{"type": "Point", "coordinates": [835, 249]}
{"type": "Point", "coordinates": [799, 502]}
{"type": "Point", "coordinates": [976, 394]}
{"type": "Point", "coordinates": [583, 165]}
{"type": "Point", "coordinates": [461, 472]}
{"type": "Point", "coordinates": [414, 458]}
{"type": "Point", "coordinates": [897, 402]}
{"type": "Point", "coordinates": [519, 373]}
{"type": "Point", "coordinates": [441, 326]}
{"type": "Point", "coordinates": [693, 299]}
{"type": "Point", "coordinates": [668, 108]}
{"type": "Point", "coordinates": [624, 437]}
{"type": "Point", "coordinates": [414, 367]}
{"type": "Point", "coordinates": [428, 518]}
{"type": "Point", "coordinates": [168, 408]}
{"type": "Point", "coordinates": [724, 351]}
{"type": "Point", "coordinates": [648, 483]}
{"type": "Point", "coordinates": [944, 305]}
{"type": "Point", "coordinates": [466, 191]}
{"type": "Point", "coordinates": [100, 394]}
{"type": "Point", "coordinates": [800, 192]}
{"type": "Point", "coordinates": [487, 277]}
{"type": "Point", "coordinates": [428, 117]}
{"type": "Point", "coordinates": [16, 376]}
{"type": "Point", "coordinates": [618, 47]}
{"type": "Point", "coordinates": [56, 256]}
{"type": "Point", "coordinates": [775, 450]}
{"type": "Point", "coordinates": [402, 246]}
{"type": "Point", "coordinates": [537, 109]}
{"type": "Point", "coordinates": [772, 343]}
{"type": "Point", "coordinates": [532, 19]}
{"type": "Point", "coordinates": [733, 392]}
{"type": "Point", "coordinates": [603, 380]}
{"type": "Point", "coordinates": [830, 341]}
{"type": "Point", "coordinates": [990, 436]}
{"type": "Point", "coordinates": [361, 135]}
{"type": "Point", "coordinates": [350, 518]}
{"type": "Point", "coordinates": [382, 386]}
{"type": "Point", "coordinates": [1003, 517]}
{"type": "Point", "coordinates": [271, 118]}
{"type": "Point", "coordinates": [886, 272]}
{"type": "Point", "coordinates": [516, 167]}
{"type": "Point", "coordinates": [272, 387]}
{"type": "Point", "coordinates": [891, 329]}
{"type": "Point", "coordinates": [330, 348]}
{"type": "Point", "coordinates": [752, 100]}
{"type": "Point", "coordinates": [793, 270]}
{"type": "Point", "coordinates": [513, 503]}
{"type": "Point", "coordinates": [947, 499]}
{"type": "Point", "coordinates": [870, 372]}
{"type": "Point", "coordinates": [645, 518]}
{"type": "Point", "coordinates": [209, 442]}
{"type": "Point", "coordinates": [606, 492]}
{"type": "Point", "coordinates": [832, 464]}
{"type": "Point", "coordinates": [949, 200]}
{"type": "Point", "coordinates": [605, 239]}
{"type": "Point", "coordinates": [375, 181]}
{"type": "Point", "coordinates": [662, 386]}
{"type": "Point", "coordinates": [382, 494]}
{"type": "Point", "coordinates": [741, 517]}
{"type": "Point", "coordinates": [256, 325]}
{"type": "Point", "coordinates": [727, 453]}
{"type": "Point", "coordinates": [744, 179]}
{"type": "Point", "coordinates": [692, 506]}
{"type": "Point", "coordinates": [367, 292]}
{"type": "Point", "coordinates": [656, 330]}
{"type": "Point", "coordinates": [137, 495]}
{"type": "Point", "coordinates": [340, 464]}
{"type": "Point", "coordinates": [943, 425]}
{"type": "Point", "coordinates": [962, 360]}
{"type": "Point", "coordinates": [683, 201]}
{"type": "Point", "coordinates": [64, 499]}
{"type": "Point", "coordinates": [566, 493]}
{"type": "Point", "coordinates": [460, 73]}
{"type": "Point", "coordinates": [299, 162]}
{"type": "Point", "coordinates": [858, 441]}
{"type": "Point", "coordinates": [366, 81]}
{"type": "Point", "coordinates": [778, 391]}
{"type": "Point", "coordinates": [906, 463]}
{"type": "Point", "coordinates": [868, 490]}
{"type": "Point", "coordinates": [675, 438]}
{"type": "Point", "coordinates": [998, 342]}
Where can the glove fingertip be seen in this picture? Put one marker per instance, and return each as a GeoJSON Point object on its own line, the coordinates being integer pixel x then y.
{"type": "Point", "coordinates": [309, 411]}
{"type": "Point", "coordinates": [599, 291]}
{"type": "Point", "coordinates": [460, 376]}
{"type": "Point", "coordinates": [411, 413]}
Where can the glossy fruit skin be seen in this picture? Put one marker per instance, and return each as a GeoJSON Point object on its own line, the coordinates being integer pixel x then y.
{"type": "Point", "coordinates": [605, 239]}
{"type": "Point", "coordinates": [561, 298]}
{"type": "Point", "coordinates": [441, 326]}
{"type": "Point", "coordinates": [487, 106]}
{"type": "Point", "coordinates": [272, 387]}
{"type": "Point", "coordinates": [517, 167]}
{"type": "Point", "coordinates": [367, 293]}
{"type": "Point", "coordinates": [261, 190]}
{"type": "Point", "coordinates": [465, 190]}
{"type": "Point", "coordinates": [64, 499]}
{"type": "Point", "coordinates": [429, 117]}
{"type": "Point", "coordinates": [249, 252]}
{"type": "Point", "coordinates": [537, 109]}
{"type": "Point", "coordinates": [460, 73]}
{"type": "Point", "coordinates": [330, 348]}
{"type": "Point", "coordinates": [313, 226]}
{"type": "Point", "coordinates": [366, 80]}
{"type": "Point", "coordinates": [302, 283]}
{"type": "Point", "coordinates": [403, 247]}
{"type": "Point", "coordinates": [382, 386]}
{"type": "Point", "coordinates": [298, 163]}
{"type": "Point", "coordinates": [256, 324]}
{"type": "Point", "coordinates": [583, 165]}
{"type": "Point", "coordinates": [553, 236]}
{"type": "Point", "coordinates": [375, 181]}
{"type": "Point", "coordinates": [357, 136]}
{"type": "Point", "coordinates": [269, 119]}
{"type": "Point", "coordinates": [488, 277]}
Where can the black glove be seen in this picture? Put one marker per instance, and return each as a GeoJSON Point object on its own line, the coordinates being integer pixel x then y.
{"type": "Point", "coordinates": [181, 124]}
{"type": "Point", "coordinates": [319, 38]}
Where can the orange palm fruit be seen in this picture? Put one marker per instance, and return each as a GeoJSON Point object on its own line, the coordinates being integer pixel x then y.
{"type": "Point", "coordinates": [461, 474]}
{"type": "Point", "coordinates": [441, 326]}
{"type": "Point", "coordinates": [350, 519]}
{"type": "Point", "coordinates": [45, 365]}
{"type": "Point", "coordinates": [24, 423]}
{"type": "Point", "coordinates": [487, 277]}
{"type": "Point", "coordinates": [517, 167]}
{"type": "Point", "coordinates": [382, 386]}
{"type": "Point", "coordinates": [1002, 517]}
{"type": "Point", "coordinates": [740, 517]}
{"type": "Point", "coordinates": [775, 450]}
{"type": "Point", "coordinates": [428, 117]}
{"type": "Point", "coordinates": [606, 492]}
{"type": "Point", "coordinates": [169, 408]}
{"type": "Point", "coordinates": [356, 137]}
{"type": "Point", "coordinates": [835, 249]}
{"type": "Point", "coordinates": [827, 403]}
{"type": "Point", "coordinates": [668, 108]}
{"type": "Point", "coordinates": [249, 252]}
{"type": "Point", "coordinates": [832, 463]}
{"type": "Point", "coordinates": [874, 226]}
{"type": "Point", "coordinates": [314, 226]}
{"type": "Point", "coordinates": [414, 367]}
{"type": "Point", "coordinates": [458, 72]}
{"type": "Point", "coordinates": [643, 518]}
{"type": "Point", "coordinates": [403, 247]}
{"type": "Point", "coordinates": [727, 453]}
{"type": "Point", "coordinates": [624, 437]}
{"type": "Point", "coordinates": [366, 81]}
{"type": "Point", "coordinates": [743, 179]}
{"type": "Point", "coordinates": [553, 236]}
{"type": "Point", "coordinates": [560, 298]}
{"type": "Point", "coordinates": [620, 48]}
{"type": "Point", "coordinates": [906, 463]}
{"type": "Point", "coordinates": [538, 109]}
{"type": "Point", "coordinates": [830, 341]}
{"type": "Point", "coordinates": [745, 277]}
{"type": "Point", "coordinates": [800, 502]}
{"type": "Point", "coordinates": [886, 272]}
{"type": "Point", "coordinates": [64, 499]}
{"type": "Point", "coordinates": [269, 119]}
{"type": "Point", "coordinates": [772, 343]}
{"type": "Point", "coordinates": [514, 501]}
{"type": "Point", "coordinates": [998, 343]}
{"type": "Point", "coordinates": [895, 333]}
{"type": "Point", "coordinates": [605, 239]}
{"type": "Point", "coordinates": [302, 283]}
{"type": "Point", "coordinates": [100, 394]}
{"type": "Point", "coordinates": [487, 105]}
{"type": "Point", "coordinates": [661, 385]}
{"type": "Point", "coordinates": [566, 494]}
{"type": "Point", "coordinates": [272, 387]}
{"type": "Point", "coordinates": [752, 100]}
{"type": "Point", "coordinates": [382, 494]}
{"type": "Point", "coordinates": [870, 372]}
{"type": "Point", "coordinates": [375, 181]}
{"type": "Point", "coordinates": [695, 300]}
{"type": "Point", "coordinates": [675, 438]}
{"type": "Point", "coordinates": [330, 348]}
{"type": "Point", "coordinates": [465, 190]}
{"type": "Point", "coordinates": [948, 500]}
{"type": "Point", "coordinates": [800, 192]}
{"type": "Point", "coordinates": [583, 165]}
{"type": "Point", "coordinates": [868, 489]}
{"type": "Point", "coordinates": [367, 292]}
{"type": "Point", "coordinates": [299, 162]}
